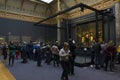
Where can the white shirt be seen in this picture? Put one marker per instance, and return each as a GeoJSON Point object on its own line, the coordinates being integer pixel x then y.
{"type": "Point", "coordinates": [64, 54]}
{"type": "Point", "coordinates": [55, 49]}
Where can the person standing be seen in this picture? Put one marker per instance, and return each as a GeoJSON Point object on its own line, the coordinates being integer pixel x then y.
{"type": "Point", "coordinates": [30, 50]}
{"type": "Point", "coordinates": [24, 53]}
{"type": "Point", "coordinates": [48, 55]}
{"type": "Point", "coordinates": [4, 50]}
{"type": "Point", "coordinates": [55, 54]}
{"type": "Point", "coordinates": [102, 59]}
{"type": "Point", "coordinates": [92, 54]}
{"type": "Point", "coordinates": [12, 53]}
{"type": "Point", "coordinates": [109, 55]}
{"type": "Point", "coordinates": [72, 47]}
{"type": "Point", "coordinates": [97, 49]}
{"type": "Point", "coordinates": [118, 51]}
{"type": "Point", "coordinates": [17, 51]}
{"type": "Point", "coordinates": [64, 58]}
{"type": "Point", "coordinates": [38, 54]}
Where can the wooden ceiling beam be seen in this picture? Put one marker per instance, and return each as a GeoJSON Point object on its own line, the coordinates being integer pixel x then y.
{"type": "Point", "coordinates": [76, 2]}
{"type": "Point", "coordinates": [21, 6]}
{"type": "Point", "coordinates": [6, 4]}
{"type": "Point", "coordinates": [66, 14]}
{"type": "Point", "coordinates": [35, 6]}
{"type": "Point", "coordinates": [64, 3]}
{"type": "Point", "coordinates": [46, 9]}
{"type": "Point", "coordinates": [51, 9]}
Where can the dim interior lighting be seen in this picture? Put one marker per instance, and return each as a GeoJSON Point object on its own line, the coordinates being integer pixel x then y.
{"type": "Point", "coordinates": [118, 49]}
{"type": "Point", "coordinates": [47, 1]}
{"type": "Point", "coordinates": [91, 38]}
{"type": "Point", "coordinates": [83, 39]}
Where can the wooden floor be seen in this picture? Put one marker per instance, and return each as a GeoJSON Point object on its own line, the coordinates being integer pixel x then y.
{"type": "Point", "coordinates": [4, 73]}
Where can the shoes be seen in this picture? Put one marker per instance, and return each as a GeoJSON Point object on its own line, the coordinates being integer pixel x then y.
{"type": "Point", "coordinates": [39, 65]}
{"type": "Point", "coordinates": [64, 79]}
{"type": "Point", "coordinates": [102, 66]}
{"type": "Point", "coordinates": [11, 65]}
{"type": "Point", "coordinates": [111, 70]}
{"type": "Point", "coordinates": [72, 73]}
{"type": "Point", "coordinates": [24, 62]}
{"type": "Point", "coordinates": [97, 67]}
{"type": "Point", "coordinates": [4, 61]}
{"type": "Point", "coordinates": [105, 69]}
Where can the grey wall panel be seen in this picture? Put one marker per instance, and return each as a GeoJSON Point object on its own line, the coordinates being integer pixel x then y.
{"type": "Point", "coordinates": [112, 31]}
{"type": "Point", "coordinates": [22, 28]}
{"type": "Point", "coordinates": [106, 32]}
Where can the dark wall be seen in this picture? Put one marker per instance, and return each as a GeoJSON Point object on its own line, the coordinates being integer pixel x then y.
{"type": "Point", "coordinates": [23, 28]}
{"type": "Point", "coordinates": [65, 30]}
{"type": "Point", "coordinates": [109, 29]}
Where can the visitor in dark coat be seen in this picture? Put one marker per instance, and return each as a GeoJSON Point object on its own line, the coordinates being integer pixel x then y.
{"type": "Point", "coordinates": [72, 57]}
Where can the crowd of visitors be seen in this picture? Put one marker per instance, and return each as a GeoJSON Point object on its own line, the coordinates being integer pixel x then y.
{"type": "Point", "coordinates": [49, 53]}
{"type": "Point", "coordinates": [103, 55]}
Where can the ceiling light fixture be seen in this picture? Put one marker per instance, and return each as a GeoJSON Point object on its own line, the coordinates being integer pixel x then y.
{"type": "Point", "coordinates": [47, 1]}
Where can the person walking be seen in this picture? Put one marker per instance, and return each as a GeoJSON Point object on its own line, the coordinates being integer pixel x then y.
{"type": "Point", "coordinates": [55, 54]}
{"type": "Point", "coordinates": [64, 58]}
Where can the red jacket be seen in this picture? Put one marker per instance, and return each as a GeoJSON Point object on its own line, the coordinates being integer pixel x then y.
{"type": "Point", "coordinates": [110, 51]}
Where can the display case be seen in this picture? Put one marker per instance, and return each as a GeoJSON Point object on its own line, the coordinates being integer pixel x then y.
{"type": "Point", "coordinates": [86, 33]}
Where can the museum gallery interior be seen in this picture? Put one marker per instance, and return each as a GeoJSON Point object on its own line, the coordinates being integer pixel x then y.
{"type": "Point", "coordinates": [85, 31]}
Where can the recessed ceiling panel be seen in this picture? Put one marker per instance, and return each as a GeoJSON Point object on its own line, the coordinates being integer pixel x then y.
{"type": "Point", "coordinates": [2, 1]}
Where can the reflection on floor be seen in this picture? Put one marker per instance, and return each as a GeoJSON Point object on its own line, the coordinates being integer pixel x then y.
{"type": "Point", "coordinates": [82, 59]}
{"type": "Point", "coordinates": [4, 73]}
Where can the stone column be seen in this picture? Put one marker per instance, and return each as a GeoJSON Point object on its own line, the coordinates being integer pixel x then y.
{"type": "Point", "coordinates": [58, 22]}
{"type": "Point", "coordinates": [117, 18]}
